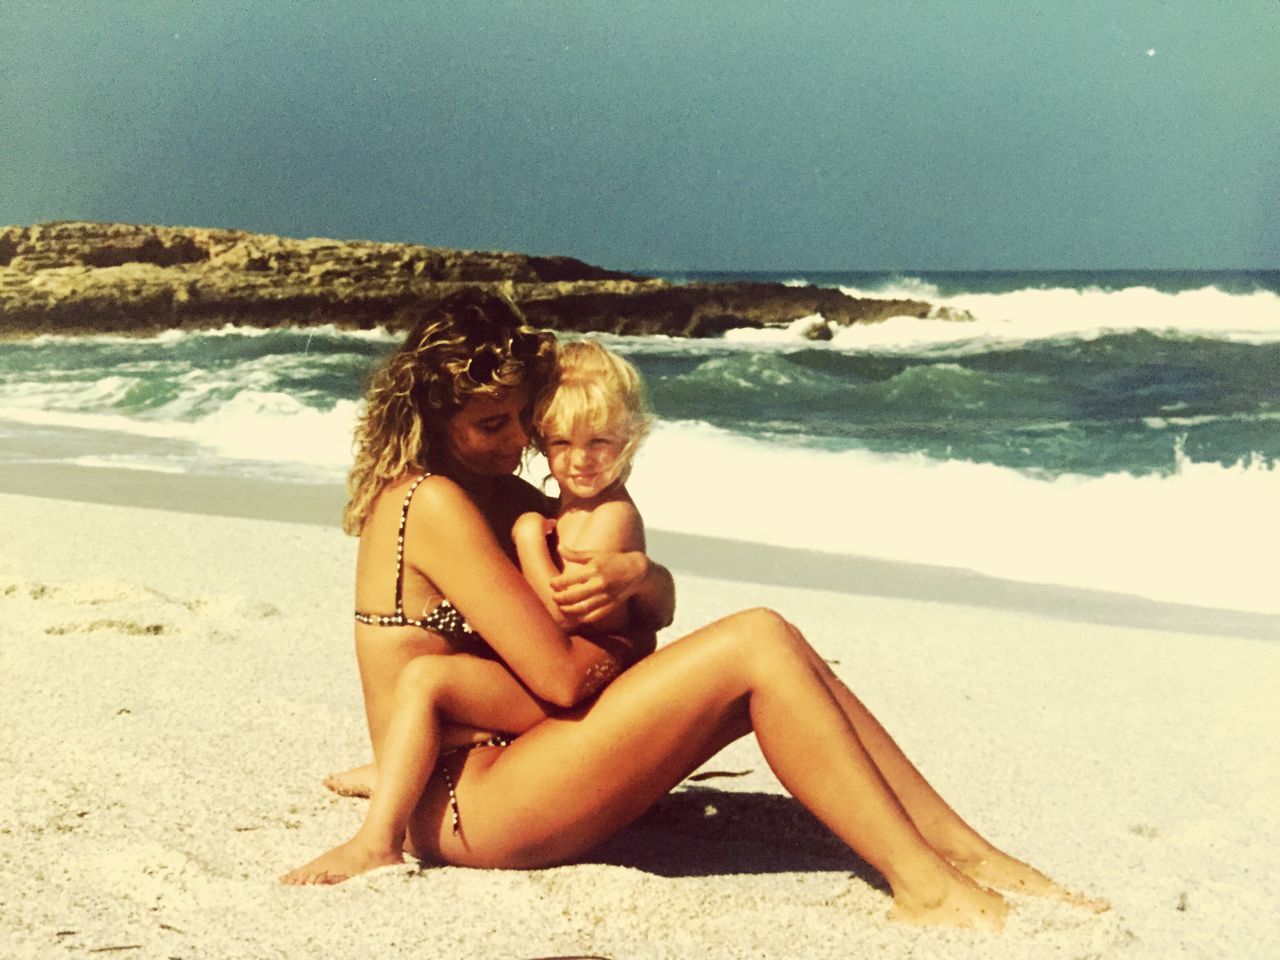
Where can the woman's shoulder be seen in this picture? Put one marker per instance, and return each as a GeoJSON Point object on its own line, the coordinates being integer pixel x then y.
{"type": "Point", "coordinates": [417, 494]}
{"type": "Point", "coordinates": [434, 494]}
{"type": "Point", "coordinates": [433, 506]}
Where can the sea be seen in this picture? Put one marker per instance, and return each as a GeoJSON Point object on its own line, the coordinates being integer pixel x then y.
{"type": "Point", "coordinates": [1108, 430]}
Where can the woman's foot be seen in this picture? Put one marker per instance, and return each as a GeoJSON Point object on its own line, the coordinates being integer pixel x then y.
{"type": "Point", "coordinates": [1003, 872]}
{"type": "Point", "coordinates": [958, 903]}
{"type": "Point", "coordinates": [356, 782]}
{"type": "Point", "coordinates": [342, 863]}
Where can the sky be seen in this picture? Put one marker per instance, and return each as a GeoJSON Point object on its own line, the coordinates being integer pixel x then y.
{"type": "Point", "coordinates": [665, 135]}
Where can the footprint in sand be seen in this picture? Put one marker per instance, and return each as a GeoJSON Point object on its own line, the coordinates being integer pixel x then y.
{"type": "Point", "coordinates": [83, 592]}
{"type": "Point", "coordinates": [92, 593]}
{"type": "Point", "coordinates": [129, 608]}
{"type": "Point", "coordinates": [130, 627]}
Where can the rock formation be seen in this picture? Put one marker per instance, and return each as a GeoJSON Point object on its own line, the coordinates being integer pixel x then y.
{"type": "Point", "coordinates": [80, 278]}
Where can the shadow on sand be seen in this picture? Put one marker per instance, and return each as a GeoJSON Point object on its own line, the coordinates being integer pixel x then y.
{"type": "Point", "coordinates": [701, 831]}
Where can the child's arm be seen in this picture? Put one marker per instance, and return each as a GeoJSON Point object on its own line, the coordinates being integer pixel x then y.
{"type": "Point", "coordinates": [613, 528]}
{"type": "Point", "coordinates": [530, 537]}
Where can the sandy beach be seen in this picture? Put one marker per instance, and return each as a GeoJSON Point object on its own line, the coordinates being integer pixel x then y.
{"type": "Point", "coordinates": [179, 680]}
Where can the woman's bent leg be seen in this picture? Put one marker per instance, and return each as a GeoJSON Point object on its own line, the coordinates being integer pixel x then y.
{"type": "Point", "coordinates": [940, 825]}
{"type": "Point", "coordinates": [569, 783]}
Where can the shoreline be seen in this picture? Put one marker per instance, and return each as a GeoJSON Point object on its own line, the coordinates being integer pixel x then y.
{"type": "Point", "coordinates": [706, 556]}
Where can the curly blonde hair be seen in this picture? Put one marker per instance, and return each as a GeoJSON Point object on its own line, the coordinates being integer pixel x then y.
{"type": "Point", "coordinates": [470, 344]}
{"type": "Point", "coordinates": [596, 390]}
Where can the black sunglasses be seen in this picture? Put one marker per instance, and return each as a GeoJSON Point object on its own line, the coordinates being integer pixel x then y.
{"type": "Point", "coordinates": [488, 359]}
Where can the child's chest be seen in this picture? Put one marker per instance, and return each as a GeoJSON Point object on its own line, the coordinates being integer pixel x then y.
{"type": "Point", "coordinates": [571, 528]}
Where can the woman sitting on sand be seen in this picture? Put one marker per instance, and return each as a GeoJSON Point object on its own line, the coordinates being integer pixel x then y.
{"type": "Point", "coordinates": [452, 405]}
{"type": "Point", "coordinates": [589, 424]}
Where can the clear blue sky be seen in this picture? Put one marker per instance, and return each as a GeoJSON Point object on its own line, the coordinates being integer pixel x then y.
{"type": "Point", "coordinates": [727, 134]}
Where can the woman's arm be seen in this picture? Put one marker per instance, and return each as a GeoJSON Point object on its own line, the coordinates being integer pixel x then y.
{"type": "Point", "coordinates": [600, 582]}
{"type": "Point", "coordinates": [448, 540]}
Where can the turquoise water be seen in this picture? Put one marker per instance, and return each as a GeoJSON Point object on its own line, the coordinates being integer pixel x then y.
{"type": "Point", "coordinates": [1137, 411]}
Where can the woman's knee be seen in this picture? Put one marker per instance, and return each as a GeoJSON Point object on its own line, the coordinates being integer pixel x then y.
{"type": "Point", "coordinates": [762, 631]}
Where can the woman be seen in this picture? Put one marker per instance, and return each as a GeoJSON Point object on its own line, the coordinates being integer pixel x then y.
{"type": "Point", "coordinates": [453, 403]}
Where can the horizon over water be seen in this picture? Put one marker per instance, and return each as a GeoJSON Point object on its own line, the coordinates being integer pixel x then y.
{"type": "Point", "coordinates": [1115, 430]}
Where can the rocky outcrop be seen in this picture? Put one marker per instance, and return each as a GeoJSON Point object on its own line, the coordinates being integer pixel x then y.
{"type": "Point", "coordinates": [78, 278]}
{"type": "Point", "coordinates": [709, 309]}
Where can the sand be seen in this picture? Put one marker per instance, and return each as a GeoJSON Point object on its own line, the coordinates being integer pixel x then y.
{"type": "Point", "coordinates": [176, 685]}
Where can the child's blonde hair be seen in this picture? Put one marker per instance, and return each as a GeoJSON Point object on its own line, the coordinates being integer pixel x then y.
{"type": "Point", "coordinates": [596, 390]}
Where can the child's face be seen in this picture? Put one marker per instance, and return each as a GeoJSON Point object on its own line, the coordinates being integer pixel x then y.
{"type": "Point", "coordinates": [583, 461]}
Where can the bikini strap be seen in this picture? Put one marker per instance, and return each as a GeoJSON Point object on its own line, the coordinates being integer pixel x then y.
{"type": "Point", "coordinates": [404, 518]}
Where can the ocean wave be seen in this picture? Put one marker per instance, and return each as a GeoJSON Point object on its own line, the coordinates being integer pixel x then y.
{"type": "Point", "coordinates": [1172, 421]}
{"type": "Point", "coordinates": [937, 389]}
{"type": "Point", "coordinates": [787, 335]}
{"type": "Point", "coordinates": [249, 425]}
{"type": "Point", "coordinates": [1027, 315]}
{"type": "Point", "coordinates": [732, 375]}
{"type": "Point", "coordinates": [180, 336]}
{"type": "Point", "coordinates": [283, 428]}
{"type": "Point", "coordinates": [1200, 535]}
{"type": "Point", "coordinates": [896, 287]}
{"type": "Point", "coordinates": [969, 323]}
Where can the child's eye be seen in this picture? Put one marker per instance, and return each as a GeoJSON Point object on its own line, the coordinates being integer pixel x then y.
{"type": "Point", "coordinates": [601, 442]}
{"type": "Point", "coordinates": [557, 444]}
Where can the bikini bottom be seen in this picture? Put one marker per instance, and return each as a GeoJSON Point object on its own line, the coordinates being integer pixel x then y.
{"type": "Point", "coordinates": [499, 741]}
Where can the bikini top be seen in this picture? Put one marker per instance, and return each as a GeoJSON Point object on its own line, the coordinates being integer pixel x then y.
{"type": "Point", "coordinates": [444, 618]}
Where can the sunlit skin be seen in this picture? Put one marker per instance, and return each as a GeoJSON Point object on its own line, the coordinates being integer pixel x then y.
{"type": "Point", "coordinates": [487, 438]}
{"type": "Point", "coordinates": [442, 700]}
{"type": "Point", "coordinates": [578, 777]}
{"type": "Point", "coordinates": [583, 463]}
{"type": "Point", "coordinates": [596, 514]}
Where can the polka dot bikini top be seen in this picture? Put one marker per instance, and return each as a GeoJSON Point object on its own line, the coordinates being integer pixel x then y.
{"type": "Point", "coordinates": [444, 618]}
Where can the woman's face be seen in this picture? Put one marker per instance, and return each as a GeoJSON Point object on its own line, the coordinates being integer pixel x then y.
{"type": "Point", "coordinates": [487, 437]}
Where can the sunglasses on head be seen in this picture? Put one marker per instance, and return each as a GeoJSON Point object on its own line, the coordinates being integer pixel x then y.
{"type": "Point", "coordinates": [488, 359]}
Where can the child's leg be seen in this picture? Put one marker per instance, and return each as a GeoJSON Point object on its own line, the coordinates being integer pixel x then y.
{"type": "Point", "coordinates": [432, 691]}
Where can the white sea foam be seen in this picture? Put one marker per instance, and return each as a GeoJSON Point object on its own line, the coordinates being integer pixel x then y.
{"type": "Point", "coordinates": [97, 422]}
{"type": "Point", "coordinates": [264, 426]}
{"type": "Point", "coordinates": [779, 336]}
{"type": "Point", "coordinates": [278, 427]}
{"type": "Point", "coordinates": [992, 321]}
{"type": "Point", "coordinates": [175, 336]}
{"type": "Point", "coordinates": [1022, 316]}
{"type": "Point", "coordinates": [1204, 535]}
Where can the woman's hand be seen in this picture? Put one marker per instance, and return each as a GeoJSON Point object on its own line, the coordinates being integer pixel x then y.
{"type": "Point", "coordinates": [596, 583]}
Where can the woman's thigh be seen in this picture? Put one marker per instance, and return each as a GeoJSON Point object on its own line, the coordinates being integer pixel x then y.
{"type": "Point", "coordinates": [574, 780]}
